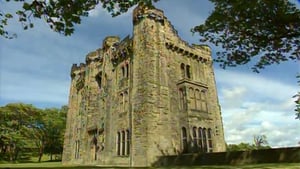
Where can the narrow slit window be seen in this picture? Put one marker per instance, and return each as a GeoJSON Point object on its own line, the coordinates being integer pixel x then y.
{"type": "Point", "coordinates": [128, 142]}
{"type": "Point", "coordinates": [188, 71]}
{"type": "Point", "coordinates": [204, 140]}
{"type": "Point", "coordinates": [209, 137]}
{"type": "Point", "coordinates": [127, 70]}
{"type": "Point", "coordinates": [118, 143]}
{"type": "Point", "coordinates": [123, 143]}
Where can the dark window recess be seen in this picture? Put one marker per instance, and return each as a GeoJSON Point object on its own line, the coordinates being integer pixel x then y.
{"type": "Point", "coordinates": [188, 71]}
{"type": "Point", "coordinates": [99, 79]}
{"type": "Point", "coordinates": [184, 140]}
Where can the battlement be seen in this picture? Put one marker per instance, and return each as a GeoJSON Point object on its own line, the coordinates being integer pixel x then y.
{"type": "Point", "coordinates": [110, 41]}
{"type": "Point", "coordinates": [93, 56]}
{"type": "Point", "coordinates": [198, 52]}
{"type": "Point", "coordinates": [121, 50]}
{"type": "Point", "coordinates": [143, 11]}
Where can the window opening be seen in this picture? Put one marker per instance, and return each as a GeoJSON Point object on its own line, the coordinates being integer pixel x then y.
{"type": "Point", "coordinates": [184, 140]}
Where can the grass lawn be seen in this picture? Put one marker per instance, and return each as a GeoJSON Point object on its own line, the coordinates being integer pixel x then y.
{"type": "Point", "coordinates": [58, 165]}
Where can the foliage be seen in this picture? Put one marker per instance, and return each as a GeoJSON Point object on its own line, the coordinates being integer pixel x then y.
{"type": "Point", "coordinates": [267, 32]}
{"type": "Point", "coordinates": [55, 120]}
{"type": "Point", "coordinates": [297, 101]}
{"type": "Point", "coordinates": [259, 142]}
{"type": "Point", "coordinates": [264, 31]}
{"type": "Point", "coordinates": [27, 129]}
{"type": "Point", "coordinates": [17, 118]}
{"type": "Point", "coordinates": [61, 16]}
{"type": "Point", "coordinates": [240, 147]}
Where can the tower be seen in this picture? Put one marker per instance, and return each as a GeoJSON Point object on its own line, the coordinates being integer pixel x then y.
{"type": "Point", "coordinates": [143, 97]}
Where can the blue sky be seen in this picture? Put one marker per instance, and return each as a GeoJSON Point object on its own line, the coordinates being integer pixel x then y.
{"type": "Point", "coordinates": [35, 69]}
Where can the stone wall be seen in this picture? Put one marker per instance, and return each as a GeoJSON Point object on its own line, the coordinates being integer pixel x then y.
{"type": "Point", "coordinates": [278, 155]}
{"type": "Point", "coordinates": [146, 88]}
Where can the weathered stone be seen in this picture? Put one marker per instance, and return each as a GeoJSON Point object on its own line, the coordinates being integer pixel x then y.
{"type": "Point", "coordinates": [146, 96]}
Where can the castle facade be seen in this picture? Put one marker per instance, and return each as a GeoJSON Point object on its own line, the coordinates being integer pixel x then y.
{"type": "Point", "coordinates": [143, 97]}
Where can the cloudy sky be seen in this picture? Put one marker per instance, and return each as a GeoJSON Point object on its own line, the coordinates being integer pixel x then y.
{"type": "Point", "coordinates": [34, 69]}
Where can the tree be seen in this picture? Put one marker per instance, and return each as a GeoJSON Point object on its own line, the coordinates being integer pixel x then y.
{"type": "Point", "coordinates": [260, 32]}
{"type": "Point", "coordinates": [240, 147]}
{"type": "Point", "coordinates": [27, 129]}
{"type": "Point", "coordinates": [260, 141]}
{"type": "Point", "coordinates": [56, 122]}
{"type": "Point", "coordinates": [16, 119]}
{"type": "Point", "coordinates": [265, 31]}
{"type": "Point", "coordinates": [297, 101]}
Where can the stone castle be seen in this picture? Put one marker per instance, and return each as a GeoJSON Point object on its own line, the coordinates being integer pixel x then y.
{"type": "Point", "coordinates": [143, 97]}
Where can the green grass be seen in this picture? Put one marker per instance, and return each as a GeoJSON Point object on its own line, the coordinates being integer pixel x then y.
{"type": "Point", "coordinates": [58, 165]}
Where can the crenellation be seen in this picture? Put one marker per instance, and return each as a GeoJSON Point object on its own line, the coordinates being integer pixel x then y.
{"type": "Point", "coordinates": [142, 97]}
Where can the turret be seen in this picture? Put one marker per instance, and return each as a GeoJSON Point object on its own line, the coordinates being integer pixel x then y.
{"type": "Point", "coordinates": [109, 41]}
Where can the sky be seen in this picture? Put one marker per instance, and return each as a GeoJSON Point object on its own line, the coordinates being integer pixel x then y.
{"type": "Point", "coordinates": [35, 69]}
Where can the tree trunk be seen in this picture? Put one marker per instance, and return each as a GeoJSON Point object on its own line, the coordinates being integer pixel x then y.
{"type": "Point", "coordinates": [41, 152]}
{"type": "Point", "coordinates": [50, 156]}
{"type": "Point", "coordinates": [9, 152]}
{"type": "Point", "coordinates": [16, 154]}
{"type": "Point", "coordinates": [40, 157]}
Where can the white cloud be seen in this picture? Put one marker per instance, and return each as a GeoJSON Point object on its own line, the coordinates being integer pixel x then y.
{"type": "Point", "coordinates": [254, 105]}
{"type": "Point", "coordinates": [35, 68]}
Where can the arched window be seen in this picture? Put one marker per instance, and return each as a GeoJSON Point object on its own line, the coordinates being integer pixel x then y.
{"type": "Point", "coordinates": [181, 99]}
{"type": "Point", "coordinates": [200, 139]}
{"type": "Point", "coordinates": [126, 101]}
{"type": "Point", "coordinates": [123, 143]}
{"type": "Point", "coordinates": [123, 71]}
{"type": "Point", "coordinates": [209, 138]}
{"type": "Point", "coordinates": [184, 140]}
{"type": "Point", "coordinates": [182, 68]}
{"type": "Point", "coordinates": [204, 140]}
{"type": "Point", "coordinates": [118, 143]}
{"type": "Point", "coordinates": [188, 71]}
{"type": "Point", "coordinates": [192, 98]}
{"type": "Point", "coordinates": [127, 70]}
{"type": "Point", "coordinates": [99, 79]}
{"type": "Point", "coordinates": [203, 100]}
{"type": "Point", "coordinates": [121, 102]}
{"type": "Point", "coordinates": [195, 138]}
{"type": "Point", "coordinates": [127, 142]}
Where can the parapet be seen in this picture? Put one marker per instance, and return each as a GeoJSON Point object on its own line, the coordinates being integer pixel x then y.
{"type": "Point", "coordinates": [93, 56]}
{"type": "Point", "coordinates": [202, 47]}
{"type": "Point", "coordinates": [76, 67]}
{"type": "Point", "coordinates": [109, 41]}
{"type": "Point", "coordinates": [147, 11]}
